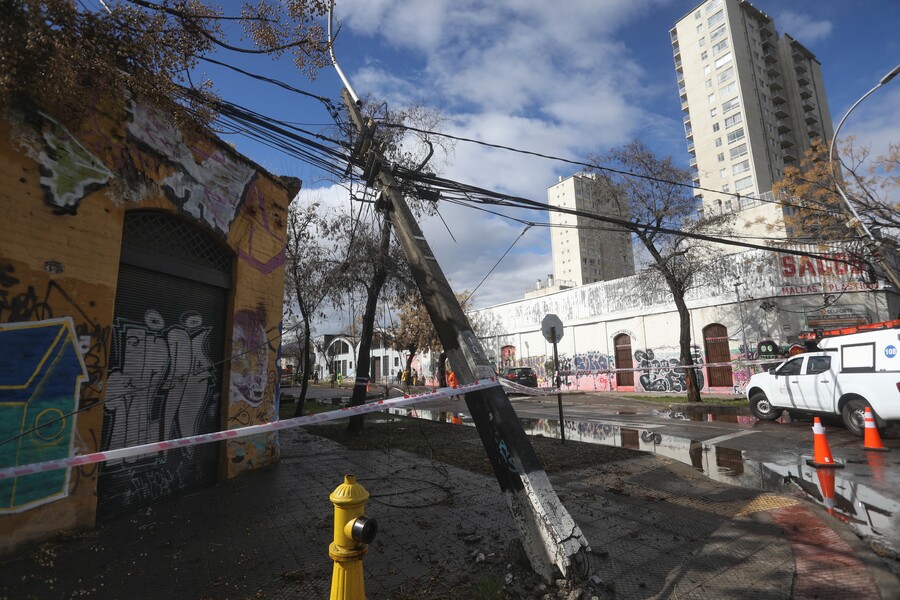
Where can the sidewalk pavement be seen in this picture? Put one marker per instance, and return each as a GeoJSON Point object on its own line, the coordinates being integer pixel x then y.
{"type": "Point", "coordinates": [656, 527]}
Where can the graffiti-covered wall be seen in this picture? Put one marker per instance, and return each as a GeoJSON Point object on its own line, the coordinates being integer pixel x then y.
{"type": "Point", "coordinates": [74, 377]}
{"type": "Point", "coordinates": [631, 324]}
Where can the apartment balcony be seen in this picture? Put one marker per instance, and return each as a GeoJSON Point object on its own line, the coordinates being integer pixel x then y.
{"type": "Point", "coordinates": [674, 35]}
{"type": "Point", "coordinates": [772, 69]}
{"type": "Point", "coordinates": [802, 78]}
{"type": "Point", "coordinates": [811, 119]}
{"type": "Point", "coordinates": [689, 134]}
{"type": "Point", "coordinates": [786, 140]}
{"type": "Point", "coordinates": [782, 126]}
{"type": "Point", "coordinates": [696, 180]}
{"type": "Point", "coordinates": [800, 67]}
{"type": "Point", "coordinates": [770, 58]}
{"type": "Point", "coordinates": [682, 92]}
{"type": "Point", "coordinates": [676, 51]}
{"type": "Point", "coordinates": [693, 162]}
{"type": "Point", "coordinates": [778, 97]}
{"type": "Point", "coordinates": [766, 33]}
{"type": "Point", "coordinates": [805, 91]}
{"type": "Point", "coordinates": [814, 133]}
{"type": "Point", "coordinates": [685, 106]}
{"type": "Point", "coordinates": [790, 156]}
{"type": "Point", "coordinates": [780, 111]}
{"type": "Point", "coordinates": [767, 44]}
{"type": "Point", "coordinates": [775, 83]}
{"type": "Point", "coordinates": [678, 66]}
{"type": "Point", "coordinates": [690, 147]}
{"type": "Point", "coordinates": [808, 104]}
{"type": "Point", "coordinates": [687, 119]}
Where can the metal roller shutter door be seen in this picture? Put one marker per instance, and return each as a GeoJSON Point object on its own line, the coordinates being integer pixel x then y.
{"type": "Point", "coordinates": [165, 381]}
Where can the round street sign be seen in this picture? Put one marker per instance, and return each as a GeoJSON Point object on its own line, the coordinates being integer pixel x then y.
{"type": "Point", "coordinates": [548, 325]}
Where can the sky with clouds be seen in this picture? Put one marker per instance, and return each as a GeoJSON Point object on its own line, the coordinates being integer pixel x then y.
{"type": "Point", "coordinates": [559, 78]}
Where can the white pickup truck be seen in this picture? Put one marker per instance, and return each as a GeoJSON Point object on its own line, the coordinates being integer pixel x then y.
{"type": "Point", "coordinates": [847, 374]}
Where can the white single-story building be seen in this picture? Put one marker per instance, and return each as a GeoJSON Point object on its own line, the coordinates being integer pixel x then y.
{"type": "Point", "coordinates": [623, 334]}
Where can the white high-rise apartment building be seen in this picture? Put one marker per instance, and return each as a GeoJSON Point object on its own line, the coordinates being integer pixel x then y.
{"type": "Point", "coordinates": [586, 250]}
{"type": "Point", "coordinates": [752, 103]}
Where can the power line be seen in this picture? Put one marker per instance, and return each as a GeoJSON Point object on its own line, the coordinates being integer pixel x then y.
{"type": "Point", "coordinates": [600, 167]}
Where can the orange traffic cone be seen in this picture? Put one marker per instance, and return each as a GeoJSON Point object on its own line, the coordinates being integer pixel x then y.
{"type": "Point", "coordinates": [826, 483]}
{"type": "Point", "coordinates": [821, 452]}
{"type": "Point", "coordinates": [872, 441]}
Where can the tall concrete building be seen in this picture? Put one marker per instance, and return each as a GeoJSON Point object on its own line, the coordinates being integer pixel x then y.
{"type": "Point", "coordinates": [752, 102]}
{"type": "Point", "coordinates": [586, 250]}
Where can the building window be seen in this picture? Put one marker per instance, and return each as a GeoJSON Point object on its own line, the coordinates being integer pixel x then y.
{"type": "Point", "coordinates": [720, 157]}
{"type": "Point", "coordinates": [696, 15]}
{"type": "Point", "coordinates": [720, 46]}
{"type": "Point", "coordinates": [722, 60]}
{"type": "Point", "coordinates": [731, 105]}
{"type": "Point", "coordinates": [702, 41]}
{"type": "Point", "coordinates": [704, 55]}
{"type": "Point", "coordinates": [736, 135]}
{"type": "Point", "coordinates": [726, 188]}
{"type": "Point", "coordinates": [733, 120]}
{"type": "Point", "coordinates": [743, 184]}
{"type": "Point", "coordinates": [741, 167]}
{"type": "Point", "coordinates": [712, 112]}
{"type": "Point", "coordinates": [728, 90]}
{"type": "Point", "coordinates": [738, 151]}
{"type": "Point", "coordinates": [711, 98]}
{"type": "Point", "coordinates": [712, 6]}
{"type": "Point", "coordinates": [718, 142]}
{"type": "Point", "coordinates": [716, 18]}
{"type": "Point", "coordinates": [723, 173]}
{"type": "Point", "coordinates": [719, 31]}
{"type": "Point", "coordinates": [707, 69]}
{"type": "Point", "coordinates": [728, 206]}
{"type": "Point", "coordinates": [725, 75]}
{"type": "Point", "coordinates": [699, 27]}
{"type": "Point", "coordinates": [715, 127]}
{"type": "Point", "coordinates": [708, 83]}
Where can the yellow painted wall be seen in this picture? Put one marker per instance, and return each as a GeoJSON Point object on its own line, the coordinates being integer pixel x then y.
{"type": "Point", "coordinates": [63, 198]}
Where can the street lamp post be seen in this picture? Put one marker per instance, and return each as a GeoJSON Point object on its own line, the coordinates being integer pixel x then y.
{"type": "Point", "coordinates": [873, 241]}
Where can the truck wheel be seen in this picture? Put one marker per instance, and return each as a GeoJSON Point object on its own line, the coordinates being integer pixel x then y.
{"type": "Point", "coordinates": [854, 414]}
{"type": "Point", "coordinates": [762, 409]}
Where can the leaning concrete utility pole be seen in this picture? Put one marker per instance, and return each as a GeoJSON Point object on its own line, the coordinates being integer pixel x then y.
{"type": "Point", "coordinates": [549, 535]}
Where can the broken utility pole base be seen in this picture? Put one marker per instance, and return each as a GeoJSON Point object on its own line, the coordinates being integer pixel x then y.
{"type": "Point", "coordinates": [551, 539]}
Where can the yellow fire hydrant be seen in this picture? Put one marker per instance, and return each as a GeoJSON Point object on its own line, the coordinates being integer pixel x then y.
{"type": "Point", "coordinates": [353, 531]}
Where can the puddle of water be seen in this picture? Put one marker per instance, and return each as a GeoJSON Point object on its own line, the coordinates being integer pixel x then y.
{"type": "Point", "coordinates": [865, 509]}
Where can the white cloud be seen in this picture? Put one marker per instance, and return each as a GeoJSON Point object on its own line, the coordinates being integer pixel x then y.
{"type": "Point", "coordinates": [803, 28]}
{"type": "Point", "coordinates": [550, 77]}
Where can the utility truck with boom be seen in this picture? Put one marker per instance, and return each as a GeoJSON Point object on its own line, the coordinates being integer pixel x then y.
{"type": "Point", "coordinates": [853, 368]}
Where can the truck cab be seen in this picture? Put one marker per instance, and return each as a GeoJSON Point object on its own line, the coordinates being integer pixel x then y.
{"type": "Point", "coordinates": [845, 375]}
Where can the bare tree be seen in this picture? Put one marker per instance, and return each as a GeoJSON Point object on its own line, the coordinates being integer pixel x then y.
{"type": "Point", "coordinates": [67, 57]}
{"type": "Point", "coordinates": [658, 196]}
{"type": "Point", "coordinates": [312, 272]}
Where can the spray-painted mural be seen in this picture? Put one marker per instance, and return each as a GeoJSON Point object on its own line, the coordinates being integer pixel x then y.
{"type": "Point", "coordinates": [661, 373]}
{"type": "Point", "coordinates": [158, 366]}
{"type": "Point", "coordinates": [209, 189]}
{"type": "Point", "coordinates": [41, 372]}
{"type": "Point", "coordinates": [250, 368]}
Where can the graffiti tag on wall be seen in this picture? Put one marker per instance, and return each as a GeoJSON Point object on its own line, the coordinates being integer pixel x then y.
{"type": "Point", "coordinates": [41, 372]}
{"type": "Point", "coordinates": [158, 367]}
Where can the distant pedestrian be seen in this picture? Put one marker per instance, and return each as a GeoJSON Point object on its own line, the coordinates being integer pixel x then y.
{"type": "Point", "coordinates": [333, 378]}
{"type": "Point", "coordinates": [340, 379]}
{"type": "Point", "coordinates": [399, 376]}
{"type": "Point", "coordinates": [316, 377]}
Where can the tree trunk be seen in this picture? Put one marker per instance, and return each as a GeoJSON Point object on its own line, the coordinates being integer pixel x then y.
{"type": "Point", "coordinates": [363, 358]}
{"type": "Point", "coordinates": [684, 342]}
{"type": "Point", "coordinates": [307, 367]}
{"type": "Point", "coordinates": [442, 370]}
{"type": "Point", "coordinates": [410, 355]}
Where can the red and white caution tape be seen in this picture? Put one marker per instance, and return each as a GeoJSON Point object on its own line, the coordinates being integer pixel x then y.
{"type": "Point", "coordinates": [233, 434]}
